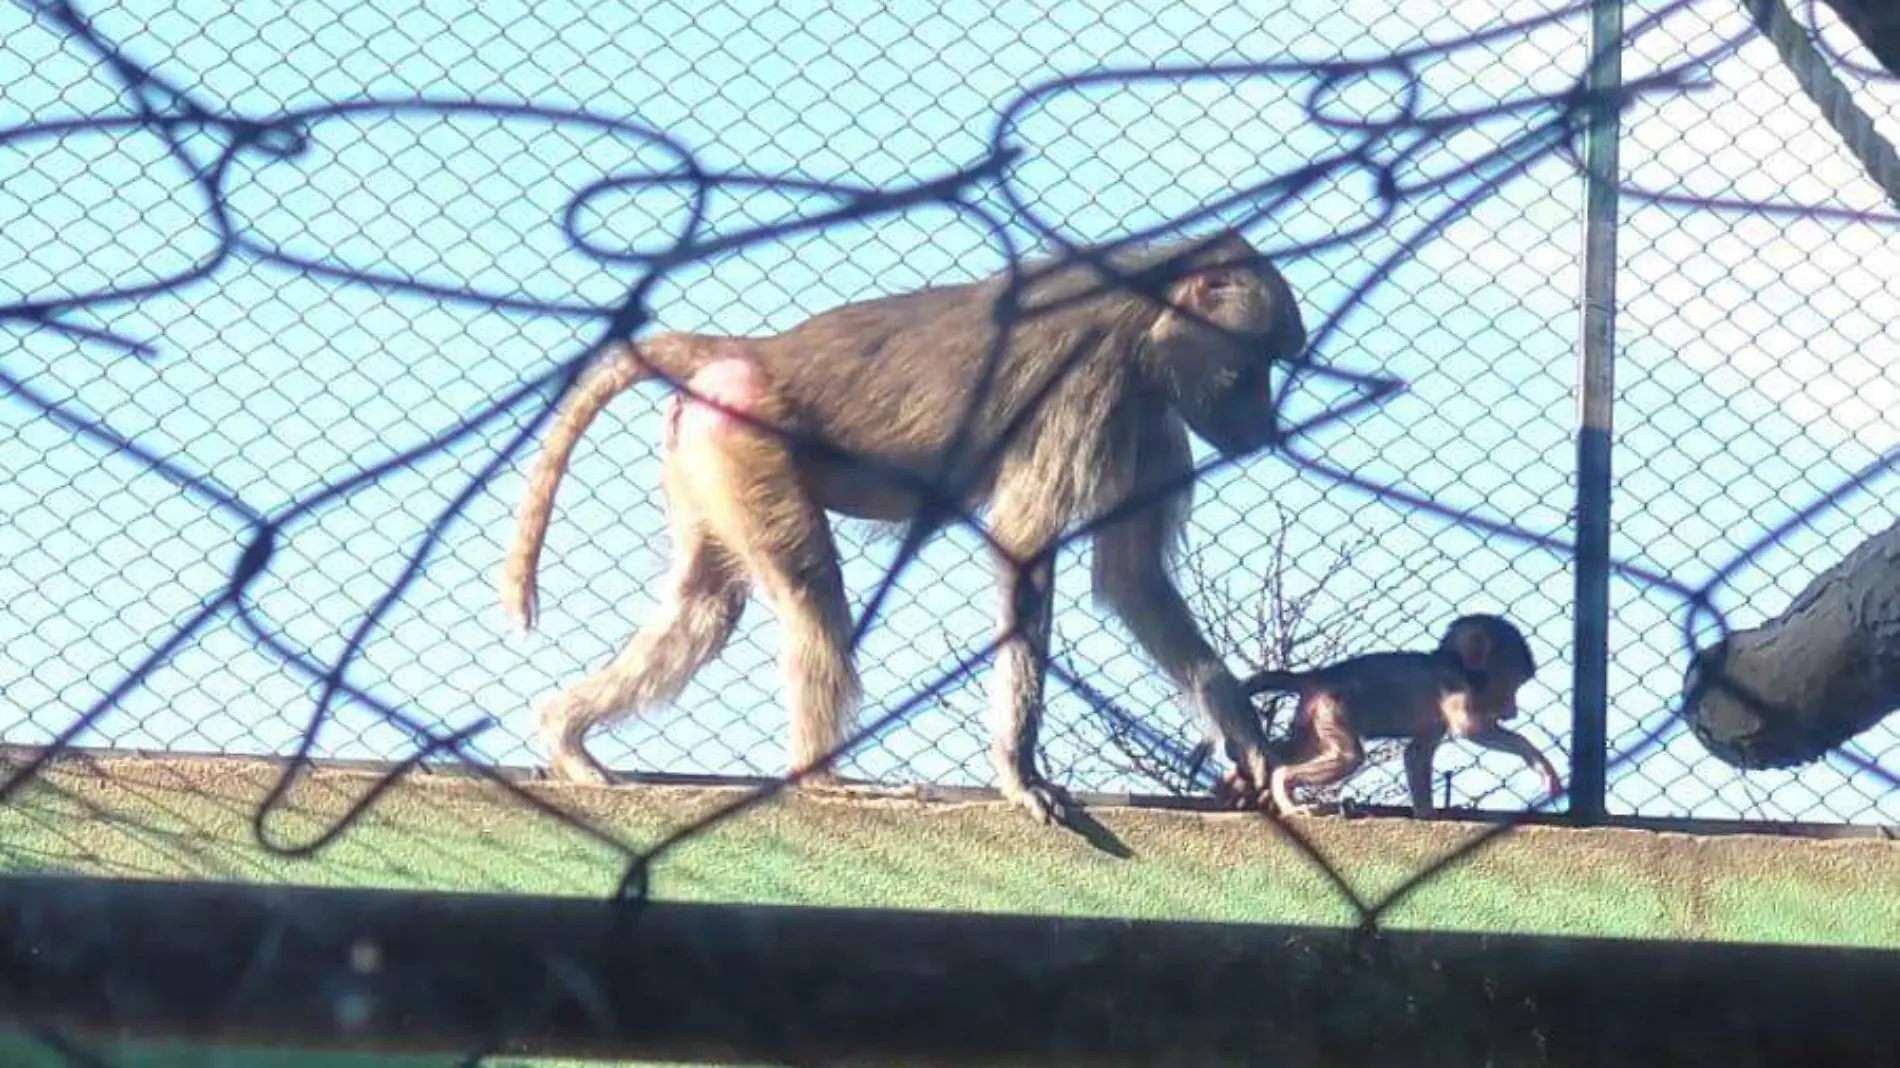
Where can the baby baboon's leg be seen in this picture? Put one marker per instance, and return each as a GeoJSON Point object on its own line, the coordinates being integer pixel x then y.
{"type": "Point", "coordinates": [1418, 773]}
{"type": "Point", "coordinates": [1335, 748]}
{"type": "Point", "coordinates": [706, 595]}
{"type": "Point", "coordinates": [748, 490]}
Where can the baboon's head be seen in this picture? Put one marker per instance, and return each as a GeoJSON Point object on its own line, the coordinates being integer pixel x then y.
{"type": "Point", "coordinates": [1496, 657]}
{"type": "Point", "coordinates": [1230, 314]}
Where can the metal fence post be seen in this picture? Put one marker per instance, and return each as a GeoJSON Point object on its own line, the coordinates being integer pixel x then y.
{"type": "Point", "coordinates": [1597, 394]}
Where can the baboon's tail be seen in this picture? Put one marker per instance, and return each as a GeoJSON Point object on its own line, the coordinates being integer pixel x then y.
{"type": "Point", "coordinates": [615, 372]}
{"type": "Point", "coordinates": [1276, 681]}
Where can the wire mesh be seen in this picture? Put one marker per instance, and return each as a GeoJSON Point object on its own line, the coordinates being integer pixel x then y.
{"type": "Point", "coordinates": [407, 269]}
{"type": "Point", "coordinates": [288, 291]}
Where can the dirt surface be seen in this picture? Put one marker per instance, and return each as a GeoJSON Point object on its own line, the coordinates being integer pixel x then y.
{"type": "Point", "coordinates": [196, 818]}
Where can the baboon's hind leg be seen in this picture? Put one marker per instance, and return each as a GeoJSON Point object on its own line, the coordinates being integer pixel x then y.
{"type": "Point", "coordinates": [753, 501]}
{"type": "Point", "coordinates": [706, 596]}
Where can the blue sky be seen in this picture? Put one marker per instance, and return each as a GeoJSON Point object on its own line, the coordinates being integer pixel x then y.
{"type": "Point", "coordinates": [1754, 366]}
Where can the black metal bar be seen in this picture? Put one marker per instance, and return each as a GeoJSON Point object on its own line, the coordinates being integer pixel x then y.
{"type": "Point", "coordinates": [1589, 753]}
{"type": "Point", "coordinates": [387, 970]}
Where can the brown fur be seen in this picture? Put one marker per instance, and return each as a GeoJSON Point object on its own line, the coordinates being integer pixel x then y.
{"type": "Point", "coordinates": [1091, 401]}
{"type": "Point", "coordinates": [1464, 688]}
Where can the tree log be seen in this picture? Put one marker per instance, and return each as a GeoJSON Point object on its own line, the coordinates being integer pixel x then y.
{"type": "Point", "coordinates": [1877, 24]}
{"type": "Point", "coordinates": [1788, 691]}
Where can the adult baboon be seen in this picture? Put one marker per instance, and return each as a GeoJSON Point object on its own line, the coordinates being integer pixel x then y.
{"type": "Point", "coordinates": [1100, 374]}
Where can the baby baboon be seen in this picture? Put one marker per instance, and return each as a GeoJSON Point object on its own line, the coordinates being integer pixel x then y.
{"type": "Point", "coordinates": [1465, 688]}
{"type": "Point", "coordinates": [856, 410]}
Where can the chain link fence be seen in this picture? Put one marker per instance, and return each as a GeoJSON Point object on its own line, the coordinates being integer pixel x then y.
{"type": "Point", "coordinates": [204, 325]}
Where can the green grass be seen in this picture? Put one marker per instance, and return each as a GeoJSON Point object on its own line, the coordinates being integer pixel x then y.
{"type": "Point", "coordinates": [192, 818]}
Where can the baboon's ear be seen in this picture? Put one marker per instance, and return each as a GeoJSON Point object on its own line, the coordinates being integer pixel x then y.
{"type": "Point", "coordinates": [1226, 248]}
{"type": "Point", "coordinates": [1208, 268]}
{"type": "Point", "coordinates": [1199, 292]}
{"type": "Point", "coordinates": [1474, 648]}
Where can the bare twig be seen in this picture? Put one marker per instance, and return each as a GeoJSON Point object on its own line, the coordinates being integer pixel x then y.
{"type": "Point", "coordinates": [1286, 620]}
